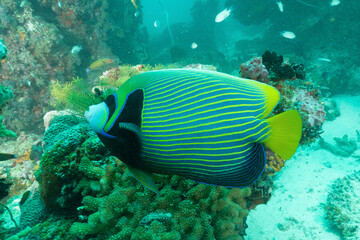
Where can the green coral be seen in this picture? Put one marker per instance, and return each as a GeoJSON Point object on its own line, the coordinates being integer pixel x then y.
{"type": "Point", "coordinates": [5, 95]}
{"type": "Point", "coordinates": [89, 169]}
{"type": "Point", "coordinates": [4, 132]}
{"type": "Point", "coordinates": [65, 142]}
{"type": "Point", "coordinates": [113, 205]}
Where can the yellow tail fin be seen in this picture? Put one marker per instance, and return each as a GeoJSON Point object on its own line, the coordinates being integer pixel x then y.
{"type": "Point", "coordinates": [285, 134]}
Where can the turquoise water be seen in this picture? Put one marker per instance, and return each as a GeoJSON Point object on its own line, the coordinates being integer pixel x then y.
{"type": "Point", "coordinates": [154, 155]}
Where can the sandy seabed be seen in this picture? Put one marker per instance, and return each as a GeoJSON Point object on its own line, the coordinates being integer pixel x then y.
{"type": "Point", "coordinates": [295, 210]}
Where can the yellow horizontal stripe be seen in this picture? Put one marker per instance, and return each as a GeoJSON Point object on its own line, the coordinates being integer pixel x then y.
{"type": "Point", "coordinates": [156, 87]}
{"type": "Point", "coordinates": [197, 119]}
{"type": "Point", "coordinates": [189, 170]}
{"type": "Point", "coordinates": [196, 149]}
{"type": "Point", "coordinates": [197, 107]}
{"type": "Point", "coordinates": [181, 86]}
{"type": "Point", "coordinates": [155, 82]}
{"type": "Point", "coordinates": [238, 161]}
{"type": "Point", "coordinates": [206, 130]}
{"type": "Point", "coordinates": [198, 154]}
{"type": "Point", "coordinates": [202, 143]}
{"type": "Point", "coordinates": [167, 109]}
{"type": "Point", "coordinates": [208, 137]}
{"type": "Point", "coordinates": [195, 126]}
{"type": "Point", "coordinates": [195, 87]}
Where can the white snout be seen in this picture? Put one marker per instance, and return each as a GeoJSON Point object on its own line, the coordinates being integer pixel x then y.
{"type": "Point", "coordinates": [97, 116]}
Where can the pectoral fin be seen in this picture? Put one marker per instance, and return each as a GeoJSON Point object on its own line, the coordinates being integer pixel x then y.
{"type": "Point", "coordinates": [145, 178]}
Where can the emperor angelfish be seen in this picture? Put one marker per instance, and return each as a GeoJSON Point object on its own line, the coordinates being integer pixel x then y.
{"type": "Point", "coordinates": [204, 125]}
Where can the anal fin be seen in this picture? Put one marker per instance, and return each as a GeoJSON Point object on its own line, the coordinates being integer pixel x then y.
{"type": "Point", "coordinates": [145, 178]}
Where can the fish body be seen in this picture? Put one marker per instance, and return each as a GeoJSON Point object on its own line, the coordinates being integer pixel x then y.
{"type": "Point", "coordinates": [157, 23]}
{"type": "Point", "coordinates": [221, 16]}
{"type": "Point", "coordinates": [6, 156]}
{"type": "Point", "coordinates": [280, 5]}
{"type": "Point", "coordinates": [194, 45]}
{"type": "Point", "coordinates": [134, 3]}
{"type": "Point", "coordinates": [324, 59]}
{"type": "Point", "coordinates": [99, 63]}
{"type": "Point", "coordinates": [76, 49]}
{"type": "Point", "coordinates": [22, 4]}
{"type": "Point", "coordinates": [288, 34]}
{"type": "Point", "coordinates": [334, 3]}
{"type": "Point", "coordinates": [203, 125]}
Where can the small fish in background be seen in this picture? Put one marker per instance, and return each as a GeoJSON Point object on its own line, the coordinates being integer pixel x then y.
{"type": "Point", "coordinates": [221, 16]}
{"type": "Point", "coordinates": [60, 4]}
{"type": "Point", "coordinates": [334, 3]}
{"type": "Point", "coordinates": [99, 63]}
{"type": "Point", "coordinates": [324, 59]}
{"type": "Point", "coordinates": [22, 4]}
{"type": "Point", "coordinates": [288, 34]}
{"type": "Point", "coordinates": [157, 23]}
{"type": "Point", "coordinates": [134, 3]}
{"type": "Point", "coordinates": [6, 156]}
{"type": "Point", "coordinates": [137, 13]}
{"type": "Point", "coordinates": [76, 49]}
{"type": "Point", "coordinates": [194, 45]}
{"type": "Point", "coordinates": [280, 5]}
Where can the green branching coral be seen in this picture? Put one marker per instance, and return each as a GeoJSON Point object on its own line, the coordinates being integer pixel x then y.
{"type": "Point", "coordinates": [111, 204]}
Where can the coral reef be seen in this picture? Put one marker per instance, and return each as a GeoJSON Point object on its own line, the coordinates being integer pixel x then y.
{"type": "Point", "coordinates": [343, 147]}
{"type": "Point", "coordinates": [40, 35]}
{"type": "Point", "coordinates": [115, 77]}
{"type": "Point", "coordinates": [254, 69]}
{"type": "Point", "coordinates": [77, 175]}
{"type": "Point", "coordinates": [281, 70]}
{"type": "Point", "coordinates": [115, 205]}
{"type": "Point", "coordinates": [274, 163]}
{"type": "Point", "coordinates": [306, 100]}
{"type": "Point", "coordinates": [32, 210]}
{"type": "Point", "coordinates": [342, 206]}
